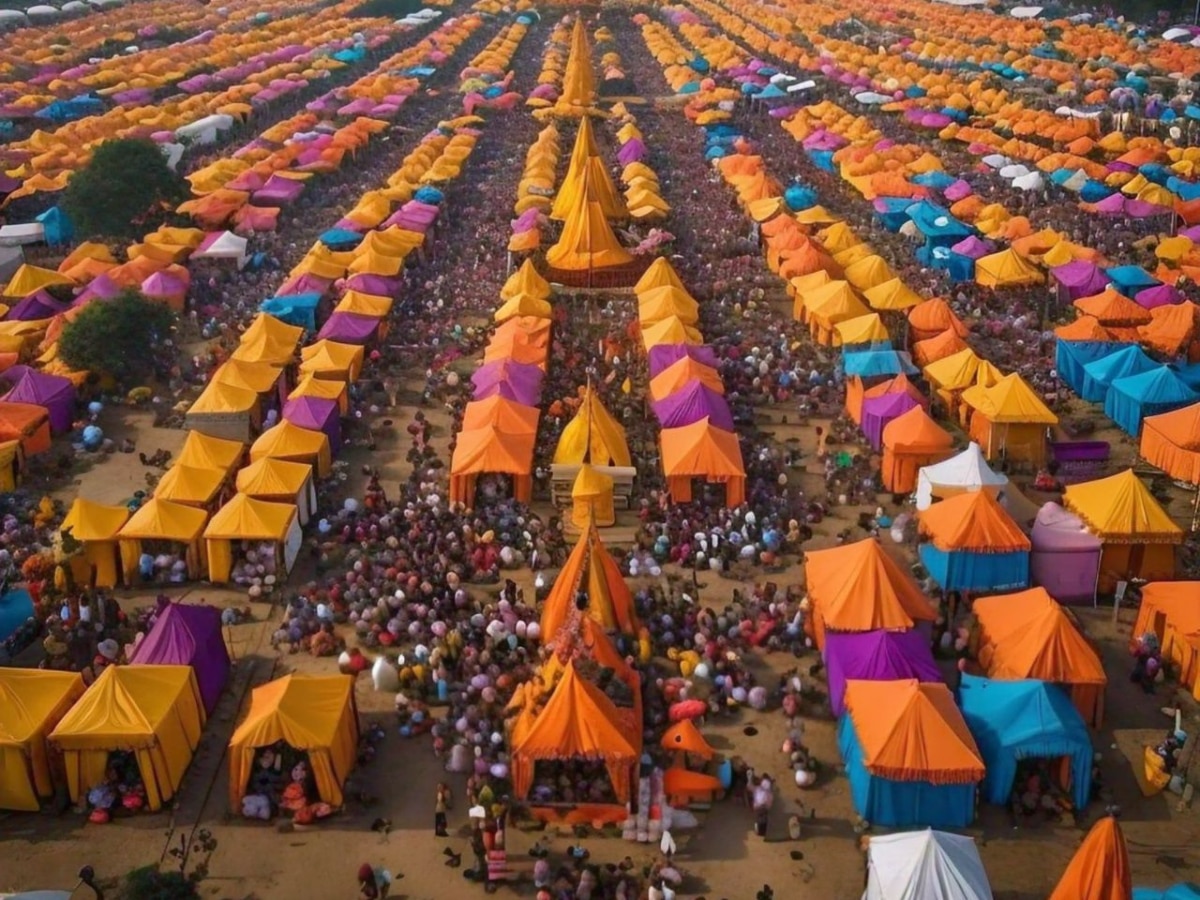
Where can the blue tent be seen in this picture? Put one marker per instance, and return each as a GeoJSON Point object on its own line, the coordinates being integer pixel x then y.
{"type": "Point", "coordinates": [1015, 720]}
{"type": "Point", "coordinates": [1071, 356]}
{"type": "Point", "coordinates": [876, 364]}
{"type": "Point", "coordinates": [1178, 892]}
{"type": "Point", "coordinates": [894, 212]}
{"type": "Point", "coordinates": [935, 179]}
{"type": "Point", "coordinates": [822, 159]}
{"type": "Point", "coordinates": [1131, 399]}
{"type": "Point", "coordinates": [799, 197]}
{"type": "Point", "coordinates": [1094, 191]}
{"type": "Point", "coordinates": [901, 804]}
{"type": "Point", "coordinates": [16, 608]}
{"type": "Point", "coordinates": [1190, 373]}
{"type": "Point", "coordinates": [295, 309]}
{"type": "Point", "coordinates": [975, 570]}
{"type": "Point", "coordinates": [1186, 190]}
{"type": "Point", "coordinates": [342, 238]}
{"type": "Point", "coordinates": [1131, 279]}
{"type": "Point", "coordinates": [1062, 176]}
{"type": "Point", "coordinates": [1099, 374]}
{"type": "Point", "coordinates": [57, 227]}
{"type": "Point", "coordinates": [69, 110]}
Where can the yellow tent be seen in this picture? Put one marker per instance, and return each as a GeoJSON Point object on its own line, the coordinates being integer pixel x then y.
{"type": "Point", "coordinates": [225, 411]}
{"type": "Point", "coordinates": [592, 499]}
{"type": "Point", "coordinates": [162, 521]}
{"type": "Point", "coordinates": [867, 329]}
{"type": "Point", "coordinates": [579, 83]}
{"type": "Point", "coordinates": [593, 436]}
{"type": "Point", "coordinates": [155, 712]}
{"type": "Point", "coordinates": [869, 272]}
{"type": "Point", "coordinates": [520, 305]}
{"type": "Point", "coordinates": [661, 303]}
{"type": "Point", "coordinates": [206, 452]}
{"type": "Point", "coordinates": [526, 280]}
{"type": "Point", "coordinates": [830, 304]}
{"type": "Point", "coordinates": [837, 238]}
{"type": "Point", "coordinates": [587, 241]}
{"type": "Point", "coordinates": [280, 481]}
{"type": "Point", "coordinates": [332, 360]}
{"type": "Point", "coordinates": [269, 340]}
{"type": "Point", "coordinates": [32, 703]}
{"type": "Point", "coordinates": [1009, 418]}
{"type": "Point", "coordinates": [191, 486]}
{"type": "Point", "coordinates": [890, 295]}
{"type": "Point", "coordinates": [587, 176]}
{"type": "Point", "coordinates": [245, 518]}
{"type": "Point", "coordinates": [324, 388]}
{"type": "Point", "coordinates": [1005, 269]}
{"type": "Point", "coordinates": [260, 377]}
{"type": "Point", "coordinates": [96, 526]}
{"type": "Point", "coordinates": [30, 279]}
{"type": "Point", "coordinates": [291, 442]}
{"type": "Point", "coordinates": [365, 304]}
{"type": "Point", "coordinates": [314, 714]}
{"type": "Point", "coordinates": [671, 330]}
{"type": "Point", "coordinates": [660, 274]}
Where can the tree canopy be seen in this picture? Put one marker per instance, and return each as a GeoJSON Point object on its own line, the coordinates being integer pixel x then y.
{"type": "Point", "coordinates": [122, 337]}
{"type": "Point", "coordinates": [126, 184]}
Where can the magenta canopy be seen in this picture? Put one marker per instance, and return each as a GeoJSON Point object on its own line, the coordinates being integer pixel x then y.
{"type": "Point", "coordinates": [972, 247]}
{"type": "Point", "coordinates": [663, 356]}
{"type": "Point", "coordinates": [958, 191]}
{"type": "Point", "coordinates": [1080, 278]}
{"type": "Point", "coordinates": [186, 634]}
{"type": "Point", "coordinates": [379, 285]}
{"type": "Point", "coordinates": [878, 411]}
{"type": "Point", "coordinates": [277, 191]}
{"type": "Point", "coordinates": [316, 414]}
{"type": "Point", "coordinates": [304, 284]}
{"type": "Point", "coordinates": [631, 151]}
{"type": "Point", "coordinates": [876, 656]}
{"type": "Point", "coordinates": [519, 382]}
{"type": "Point", "coordinates": [99, 288]}
{"type": "Point", "coordinates": [38, 305]}
{"type": "Point", "coordinates": [164, 284]}
{"type": "Point", "coordinates": [1066, 557]}
{"type": "Point", "coordinates": [349, 328]}
{"type": "Point", "coordinates": [413, 216]}
{"type": "Point", "coordinates": [691, 403]}
{"type": "Point", "coordinates": [1159, 295]}
{"type": "Point", "coordinates": [52, 392]}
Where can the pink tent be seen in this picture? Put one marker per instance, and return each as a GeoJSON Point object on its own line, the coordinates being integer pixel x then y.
{"type": "Point", "coordinates": [350, 328]}
{"type": "Point", "coordinates": [1066, 557]}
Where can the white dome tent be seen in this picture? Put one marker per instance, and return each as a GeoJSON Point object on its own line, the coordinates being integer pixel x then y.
{"type": "Point", "coordinates": [966, 472]}
{"type": "Point", "coordinates": [925, 865]}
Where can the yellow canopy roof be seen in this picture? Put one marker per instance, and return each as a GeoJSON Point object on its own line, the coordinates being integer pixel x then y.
{"type": "Point", "coordinates": [270, 477]}
{"type": "Point", "coordinates": [163, 520]}
{"type": "Point", "coordinates": [587, 241]}
{"type": "Point", "coordinates": [868, 272]}
{"type": "Point", "coordinates": [892, 294]}
{"type": "Point", "coordinates": [961, 370]}
{"type": "Point", "coordinates": [660, 303]}
{"type": "Point", "coordinates": [1011, 400]}
{"type": "Point", "coordinates": [327, 357]}
{"type": "Point", "coordinates": [288, 441]}
{"type": "Point", "coordinates": [587, 177]}
{"type": "Point", "coordinates": [268, 340]}
{"type": "Point", "coordinates": [206, 452]}
{"type": "Point", "coordinates": [867, 329]}
{"type": "Point", "coordinates": [259, 377]}
{"type": "Point", "coordinates": [1006, 268]}
{"type": "Point", "coordinates": [88, 521]}
{"type": "Point", "coordinates": [526, 280]}
{"type": "Point", "coordinates": [190, 485]}
{"type": "Point", "coordinates": [365, 304]}
{"type": "Point", "coordinates": [579, 82]}
{"type": "Point", "coordinates": [28, 697]}
{"type": "Point", "coordinates": [245, 518]}
{"type": "Point", "coordinates": [671, 330]}
{"type": "Point", "coordinates": [325, 388]}
{"type": "Point", "coordinates": [660, 274]}
{"type": "Point", "coordinates": [1121, 509]}
{"type": "Point", "coordinates": [593, 436]}
{"type": "Point", "coordinates": [30, 279]}
{"type": "Point", "coordinates": [519, 305]}
{"type": "Point", "coordinates": [590, 483]}
{"type": "Point", "coordinates": [124, 708]}
{"type": "Point", "coordinates": [222, 397]}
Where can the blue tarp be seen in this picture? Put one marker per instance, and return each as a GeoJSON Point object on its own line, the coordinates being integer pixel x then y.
{"type": "Point", "coordinates": [799, 197]}
{"type": "Point", "coordinates": [350, 54]}
{"type": "Point", "coordinates": [937, 224]}
{"type": "Point", "coordinates": [68, 110]}
{"type": "Point", "coordinates": [1131, 279]}
{"type": "Point", "coordinates": [1178, 892]}
{"type": "Point", "coordinates": [1094, 191]}
{"type": "Point", "coordinates": [876, 364]}
{"type": "Point", "coordinates": [1131, 399]}
{"type": "Point", "coordinates": [16, 607]}
{"type": "Point", "coordinates": [968, 570]}
{"type": "Point", "coordinates": [295, 309]}
{"type": "Point", "coordinates": [1186, 190]}
{"type": "Point", "coordinates": [57, 227]}
{"type": "Point", "coordinates": [340, 237]}
{"type": "Point", "coordinates": [1071, 356]}
{"type": "Point", "coordinates": [1062, 176]}
{"type": "Point", "coordinates": [822, 159]}
{"type": "Point", "coordinates": [1099, 374]}
{"type": "Point", "coordinates": [1190, 374]}
{"type": "Point", "coordinates": [894, 213]}
{"type": "Point", "coordinates": [937, 180]}
{"type": "Point", "coordinates": [1014, 720]}
{"type": "Point", "coordinates": [902, 804]}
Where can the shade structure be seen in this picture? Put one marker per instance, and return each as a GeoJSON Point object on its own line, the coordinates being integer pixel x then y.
{"type": "Point", "coordinates": [316, 414]}
{"type": "Point", "coordinates": [1139, 537]}
{"type": "Point", "coordinates": [587, 241]}
{"type": "Point", "coordinates": [1171, 441]}
{"type": "Point", "coordinates": [931, 317]}
{"type": "Point", "coordinates": [684, 369]}
{"type": "Point", "coordinates": [908, 754]}
{"type": "Point", "coordinates": [294, 443]}
{"type": "Point", "coordinates": [577, 722]}
{"type": "Point", "coordinates": [1009, 419]}
{"type": "Point", "coordinates": [245, 518]}
{"type": "Point", "coordinates": [579, 81]}
{"type": "Point", "coordinates": [1170, 611]}
{"type": "Point", "coordinates": [880, 655]}
{"type": "Point", "coordinates": [96, 526]}
{"type": "Point", "coordinates": [967, 471]}
{"type": "Point", "coordinates": [691, 403]}
{"type": "Point", "coordinates": [1111, 307]}
{"type": "Point", "coordinates": [191, 485]}
{"type": "Point", "coordinates": [310, 385]}
{"type": "Point", "coordinates": [702, 450]}
{"type": "Point", "coordinates": [162, 520]}
{"type": "Point", "coordinates": [974, 545]}
{"type": "Point", "coordinates": [671, 330]}
{"type": "Point", "coordinates": [351, 328]}
{"type": "Point", "coordinates": [910, 441]}
{"type": "Point", "coordinates": [1099, 870]}
{"type": "Point", "coordinates": [1006, 269]}
{"type": "Point", "coordinates": [225, 411]}
{"type": "Point", "coordinates": [52, 392]}
{"type": "Point", "coordinates": [1172, 329]}
{"type": "Point", "coordinates": [268, 340]}
{"type": "Point", "coordinates": [32, 703]}
{"type": "Point", "coordinates": [857, 392]}
{"type": "Point", "coordinates": [925, 865]}
{"type": "Point", "coordinates": [489, 450]}
{"type": "Point", "coordinates": [1119, 362]}
{"type": "Point", "coordinates": [28, 423]}
{"type": "Point", "coordinates": [685, 737]}
{"type": "Point", "coordinates": [592, 498]}
{"type": "Point", "coordinates": [1079, 278]}
{"type": "Point", "coordinates": [315, 714]}
{"type": "Point", "coordinates": [37, 306]}
{"type": "Point", "coordinates": [1130, 399]}
{"type": "Point", "coordinates": [1065, 556]}
{"type": "Point", "coordinates": [1029, 635]}
{"type": "Point", "coordinates": [865, 331]}
{"type": "Point", "coordinates": [497, 412]}
{"type": "Point", "coordinates": [1016, 720]}
{"type": "Point", "coordinates": [527, 281]}
{"type": "Point", "coordinates": [661, 303]}
{"type": "Point", "coordinates": [943, 345]}
{"type": "Point", "coordinates": [660, 274]}
{"type": "Point", "coordinates": [589, 569]}
{"type": "Point", "coordinates": [593, 436]}
{"type": "Point", "coordinates": [1071, 357]}
{"type": "Point", "coordinates": [188, 634]}
{"type": "Point", "coordinates": [891, 295]}
{"type": "Point", "coordinates": [523, 305]}
{"type": "Point", "coordinates": [280, 481]}
{"type": "Point", "coordinates": [878, 411]}
{"type": "Point", "coordinates": [155, 712]}
{"type": "Point", "coordinates": [858, 587]}
{"type": "Point", "coordinates": [520, 382]}
{"type": "Point", "coordinates": [332, 359]}
{"type": "Point", "coordinates": [587, 176]}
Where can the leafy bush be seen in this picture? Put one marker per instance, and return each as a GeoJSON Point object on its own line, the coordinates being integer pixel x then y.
{"type": "Point", "coordinates": [122, 337]}
{"type": "Point", "coordinates": [150, 884]}
{"type": "Point", "coordinates": [126, 184]}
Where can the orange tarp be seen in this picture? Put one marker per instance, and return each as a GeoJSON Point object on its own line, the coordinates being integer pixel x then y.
{"type": "Point", "coordinates": [500, 412]}
{"type": "Point", "coordinates": [1085, 328]}
{"type": "Point", "coordinates": [972, 521]}
{"type": "Point", "coordinates": [912, 440]}
{"type": "Point", "coordinates": [1172, 328]}
{"type": "Point", "coordinates": [931, 318]}
{"type": "Point", "coordinates": [1099, 870]}
{"type": "Point", "coordinates": [27, 423]}
{"type": "Point", "coordinates": [685, 737]}
{"type": "Point", "coordinates": [858, 587]}
{"type": "Point", "coordinates": [701, 450]}
{"type": "Point", "coordinates": [590, 568]}
{"type": "Point", "coordinates": [1171, 441]}
{"type": "Point", "coordinates": [1111, 307]}
{"type": "Point", "coordinates": [679, 373]}
{"type": "Point", "coordinates": [932, 349]}
{"type": "Point", "coordinates": [1028, 635]}
{"type": "Point", "coordinates": [912, 731]}
{"type": "Point", "coordinates": [489, 450]}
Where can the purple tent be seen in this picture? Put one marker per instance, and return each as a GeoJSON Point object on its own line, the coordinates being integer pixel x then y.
{"type": "Point", "coordinates": [1140, 209]}
{"type": "Point", "coordinates": [185, 634]}
{"type": "Point", "coordinates": [663, 356]}
{"type": "Point", "coordinates": [972, 247]}
{"type": "Point", "coordinates": [379, 285]}
{"type": "Point", "coordinates": [52, 392]}
{"type": "Point", "coordinates": [99, 288]}
{"type": "Point", "coordinates": [1066, 557]}
{"type": "Point", "coordinates": [277, 191]}
{"type": "Point", "coordinates": [691, 403]}
{"type": "Point", "coordinates": [38, 305]}
{"type": "Point", "coordinates": [1112, 205]}
{"type": "Point", "coordinates": [350, 328]}
{"type": "Point", "coordinates": [316, 414]}
{"type": "Point", "coordinates": [1080, 278]}
{"type": "Point", "coordinates": [958, 191]}
{"type": "Point", "coordinates": [878, 411]}
{"type": "Point", "coordinates": [1159, 295]}
{"type": "Point", "coordinates": [631, 151]}
{"type": "Point", "coordinates": [304, 284]}
{"type": "Point", "coordinates": [876, 656]}
{"type": "Point", "coordinates": [412, 216]}
{"type": "Point", "coordinates": [519, 382]}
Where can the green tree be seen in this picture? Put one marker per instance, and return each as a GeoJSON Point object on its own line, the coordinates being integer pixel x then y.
{"type": "Point", "coordinates": [122, 337]}
{"type": "Point", "coordinates": [126, 184]}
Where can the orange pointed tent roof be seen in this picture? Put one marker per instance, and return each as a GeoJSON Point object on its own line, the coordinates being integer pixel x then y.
{"type": "Point", "coordinates": [1111, 307]}
{"type": "Point", "coordinates": [972, 521]}
{"type": "Point", "coordinates": [701, 450]}
{"type": "Point", "coordinates": [935, 315]}
{"type": "Point", "coordinates": [1085, 328]}
{"type": "Point", "coordinates": [590, 569]}
{"type": "Point", "coordinates": [916, 431]}
{"type": "Point", "coordinates": [1099, 870]}
{"type": "Point", "coordinates": [685, 737]}
{"type": "Point", "coordinates": [1171, 328]}
{"type": "Point", "coordinates": [1171, 441]}
{"type": "Point", "coordinates": [488, 449]}
{"type": "Point", "coordinates": [679, 373]}
{"type": "Point", "coordinates": [1028, 635]}
{"type": "Point", "coordinates": [932, 349]}
{"type": "Point", "coordinates": [858, 587]}
{"type": "Point", "coordinates": [912, 731]}
{"type": "Point", "coordinates": [500, 412]}
{"type": "Point", "coordinates": [584, 637]}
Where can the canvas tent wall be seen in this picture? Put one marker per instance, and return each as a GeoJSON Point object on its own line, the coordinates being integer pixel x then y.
{"type": "Point", "coordinates": [167, 522]}
{"type": "Point", "coordinates": [96, 526]}
{"type": "Point", "coordinates": [32, 703]}
{"type": "Point", "coordinates": [1170, 610]}
{"type": "Point", "coordinates": [247, 519]}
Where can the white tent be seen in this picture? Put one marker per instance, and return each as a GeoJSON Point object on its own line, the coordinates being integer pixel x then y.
{"type": "Point", "coordinates": [226, 245]}
{"type": "Point", "coordinates": [996, 161]}
{"type": "Point", "coordinates": [1030, 181]}
{"type": "Point", "coordinates": [1177, 34]}
{"type": "Point", "coordinates": [925, 865]}
{"type": "Point", "coordinates": [29, 233]}
{"type": "Point", "coordinates": [1025, 12]}
{"type": "Point", "coordinates": [1076, 182]}
{"type": "Point", "coordinates": [961, 474]}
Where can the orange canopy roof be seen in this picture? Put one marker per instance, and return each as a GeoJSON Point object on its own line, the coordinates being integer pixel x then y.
{"type": "Point", "coordinates": [679, 373]}
{"type": "Point", "coordinates": [1171, 441]}
{"type": "Point", "coordinates": [912, 731]}
{"type": "Point", "coordinates": [590, 568]}
{"type": "Point", "coordinates": [1099, 870]}
{"type": "Point", "coordinates": [684, 736]}
{"type": "Point", "coordinates": [1028, 635]}
{"type": "Point", "coordinates": [1085, 328]}
{"type": "Point", "coordinates": [935, 316]}
{"type": "Point", "coordinates": [916, 431]}
{"type": "Point", "coordinates": [488, 449]}
{"type": "Point", "coordinates": [1171, 328]}
{"type": "Point", "coordinates": [858, 587]}
{"type": "Point", "coordinates": [500, 412]}
{"type": "Point", "coordinates": [972, 521]}
{"type": "Point", "coordinates": [1111, 307]}
{"type": "Point", "coordinates": [578, 721]}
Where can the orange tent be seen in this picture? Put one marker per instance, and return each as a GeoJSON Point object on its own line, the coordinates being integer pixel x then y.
{"type": "Point", "coordinates": [858, 587]}
{"type": "Point", "coordinates": [27, 423]}
{"type": "Point", "coordinates": [931, 318]}
{"type": "Point", "coordinates": [910, 441]}
{"type": "Point", "coordinates": [1172, 329]}
{"type": "Point", "coordinates": [679, 373]}
{"type": "Point", "coordinates": [489, 450]}
{"type": "Point", "coordinates": [1085, 328]}
{"type": "Point", "coordinates": [972, 521]}
{"type": "Point", "coordinates": [932, 349]}
{"type": "Point", "coordinates": [701, 450]}
{"type": "Point", "coordinates": [578, 721]}
{"type": "Point", "coordinates": [499, 412]}
{"type": "Point", "coordinates": [1171, 610]}
{"type": "Point", "coordinates": [1111, 307]}
{"type": "Point", "coordinates": [1029, 635]}
{"type": "Point", "coordinates": [685, 737]}
{"type": "Point", "coordinates": [589, 569]}
{"type": "Point", "coordinates": [1171, 441]}
{"type": "Point", "coordinates": [1099, 870]}
{"type": "Point", "coordinates": [857, 392]}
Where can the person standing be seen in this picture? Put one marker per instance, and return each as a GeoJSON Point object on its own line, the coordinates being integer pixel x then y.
{"type": "Point", "coordinates": [440, 806]}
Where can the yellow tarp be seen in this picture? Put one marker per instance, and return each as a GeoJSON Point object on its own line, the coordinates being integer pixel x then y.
{"type": "Point", "coordinates": [190, 485]}
{"type": "Point", "coordinates": [269, 340]}
{"type": "Point", "coordinates": [32, 702]}
{"type": "Point", "coordinates": [331, 359]}
{"type": "Point", "coordinates": [593, 436]}
{"type": "Point", "coordinates": [244, 518]}
{"type": "Point", "coordinates": [592, 499]}
{"type": "Point", "coordinates": [206, 452]}
{"type": "Point", "coordinates": [30, 279]}
{"type": "Point", "coordinates": [288, 441]}
{"type": "Point", "coordinates": [1005, 269]}
{"type": "Point", "coordinates": [587, 176]}
{"type": "Point", "coordinates": [660, 274]}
